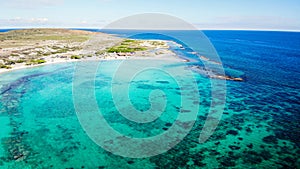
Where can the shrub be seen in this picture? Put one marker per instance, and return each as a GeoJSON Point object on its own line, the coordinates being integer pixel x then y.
{"type": "Point", "coordinates": [34, 62]}
{"type": "Point", "coordinates": [46, 54]}
{"type": "Point", "coordinates": [40, 61]}
{"type": "Point", "coordinates": [129, 40]}
{"type": "Point", "coordinates": [75, 57]}
{"type": "Point", "coordinates": [14, 54]}
{"type": "Point", "coordinates": [5, 66]}
{"type": "Point", "coordinates": [10, 62]}
{"type": "Point", "coordinates": [122, 49]}
{"type": "Point", "coordinates": [20, 61]}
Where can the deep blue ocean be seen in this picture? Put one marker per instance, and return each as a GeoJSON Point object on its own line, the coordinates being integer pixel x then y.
{"type": "Point", "coordinates": [260, 126]}
{"type": "Point", "coordinates": [265, 57]}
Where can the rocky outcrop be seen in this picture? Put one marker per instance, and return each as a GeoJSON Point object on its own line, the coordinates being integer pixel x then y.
{"type": "Point", "coordinates": [213, 75]}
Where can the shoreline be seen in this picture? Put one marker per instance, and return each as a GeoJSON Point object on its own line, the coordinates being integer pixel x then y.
{"type": "Point", "coordinates": [4, 71]}
{"type": "Point", "coordinates": [173, 57]}
{"type": "Point", "coordinates": [37, 52]}
{"type": "Point", "coordinates": [97, 47]}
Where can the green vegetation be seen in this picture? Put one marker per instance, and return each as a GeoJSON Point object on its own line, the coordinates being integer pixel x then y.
{"type": "Point", "coordinates": [64, 50]}
{"type": "Point", "coordinates": [9, 62]}
{"type": "Point", "coordinates": [35, 62]}
{"type": "Point", "coordinates": [23, 37]}
{"type": "Point", "coordinates": [75, 57]}
{"type": "Point", "coordinates": [14, 54]}
{"type": "Point", "coordinates": [40, 61]}
{"type": "Point", "coordinates": [46, 54]}
{"type": "Point", "coordinates": [5, 66]}
{"type": "Point", "coordinates": [127, 46]}
{"type": "Point", "coordinates": [122, 49]}
{"type": "Point", "coordinates": [20, 61]}
{"type": "Point", "coordinates": [46, 34]}
{"type": "Point", "coordinates": [129, 41]}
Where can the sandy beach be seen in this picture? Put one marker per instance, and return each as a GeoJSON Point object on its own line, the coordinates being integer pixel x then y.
{"type": "Point", "coordinates": [29, 48]}
{"type": "Point", "coordinates": [170, 56]}
{"type": "Point", "coordinates": [38, 47]}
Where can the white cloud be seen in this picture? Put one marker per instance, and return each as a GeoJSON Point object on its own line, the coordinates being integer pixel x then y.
{"type": "Point", "coordinates": [38, 20]}
{"type": "Point", "coordinates": [30, 4]}
{"type": "Point", "coordinates": [156, 21]}
{"type": "Point", "coordinates": [23, 22]}
{"type": "Point", "coordinates": [83, 22]}
{"type": "Point", "coordinates": [42, 22]}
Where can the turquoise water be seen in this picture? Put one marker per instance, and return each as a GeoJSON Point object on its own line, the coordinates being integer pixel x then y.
{"type": "Point", "coordinates": [43, 127]}
{"type": "Point", "coordinates": [259, 126]}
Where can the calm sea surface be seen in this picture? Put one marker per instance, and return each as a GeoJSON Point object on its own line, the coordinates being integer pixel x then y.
{"type": "Point", "coordinates": [259, 127]}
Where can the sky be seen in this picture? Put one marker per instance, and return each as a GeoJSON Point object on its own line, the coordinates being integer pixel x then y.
{"type": "Point", "coordinates": [203, 14]}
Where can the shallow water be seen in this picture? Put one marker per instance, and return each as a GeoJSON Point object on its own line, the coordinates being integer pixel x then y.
{"type": "Point", "coordinates": [259, 126]}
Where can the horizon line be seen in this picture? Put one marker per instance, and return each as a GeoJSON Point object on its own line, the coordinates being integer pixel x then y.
{"type": "Point", "coordinates": [205, 29]}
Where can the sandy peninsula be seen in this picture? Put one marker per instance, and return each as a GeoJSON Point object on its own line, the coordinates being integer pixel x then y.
{"type": "Point", "coordinates": [27, 48]}
{"type": "Point", "coordinates": [35, 47]}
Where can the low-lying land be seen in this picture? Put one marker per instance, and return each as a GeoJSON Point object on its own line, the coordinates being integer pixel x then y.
{"type": "Point", "coordinates": [31, 47]}
{"type": "Point", "coordinates": [28, 47]}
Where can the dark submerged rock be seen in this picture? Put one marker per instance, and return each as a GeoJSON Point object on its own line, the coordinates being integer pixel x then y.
{"type": "Point", "coordinates": [232, 132]}
{"type": "Point", "coordinates": [130, 162]}
{"type": "Point", "coordinates": [227, 162]}
{"type": "Point", "coordinates": [250, 145]}
{"type": "Point", "coordinates": [270, 139]}
{"type": "Point", "coordinates": [266, 155]}
{"type": "Point", "coordinates": [249, 130]}
{"type": "Point", "coordinates": [168, 124]}
{"type": "Point", "coordinates": [252, 157]}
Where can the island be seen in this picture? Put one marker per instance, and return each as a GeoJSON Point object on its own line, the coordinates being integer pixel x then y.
{"type": "Point", "coordinates": [32, 47]}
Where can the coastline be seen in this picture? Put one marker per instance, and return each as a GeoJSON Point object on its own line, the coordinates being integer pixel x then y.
{"type": "Point", "coordinates": [19, 67]}
{"type": "Point", "coordinates": [43, 47]}
{"type": "Point", "coordinates": [95, 46]}
{"type": "Point", "coordinates": [23, 66]}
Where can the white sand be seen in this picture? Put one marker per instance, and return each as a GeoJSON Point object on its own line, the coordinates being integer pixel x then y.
{"type": "Point", "coordinates": [167, 55]}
